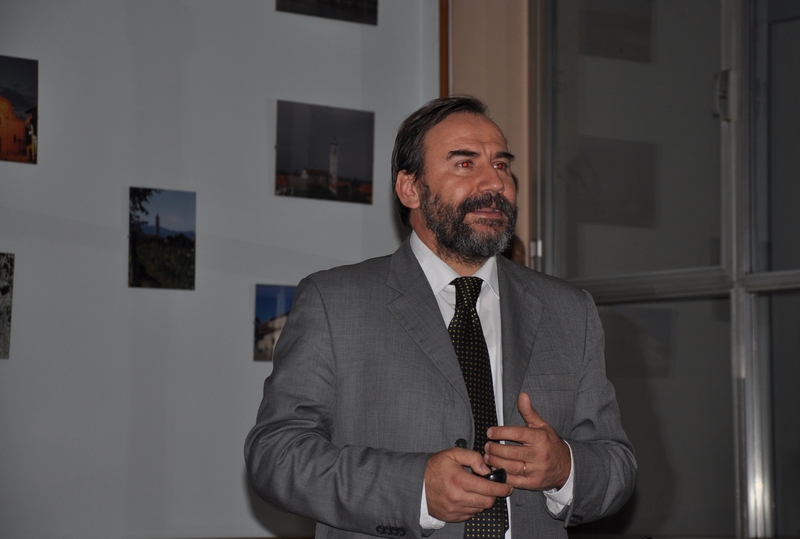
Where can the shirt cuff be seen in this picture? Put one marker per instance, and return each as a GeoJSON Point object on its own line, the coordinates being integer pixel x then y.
{"type": "Point", "coordinates": [558, 499]}
{"type": "Point", "coordinates": [426, 521]}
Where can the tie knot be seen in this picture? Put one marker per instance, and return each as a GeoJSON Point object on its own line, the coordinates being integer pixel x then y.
{"type": "Point", "coordinates": [467, 291]}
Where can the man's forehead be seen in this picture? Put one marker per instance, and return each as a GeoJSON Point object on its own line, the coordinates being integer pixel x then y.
{"type": "Point", "coordinates": [465, 127]}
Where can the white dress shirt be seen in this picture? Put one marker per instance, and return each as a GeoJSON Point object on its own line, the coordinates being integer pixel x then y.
{"type": "Point", "coordinates": [440, 275]}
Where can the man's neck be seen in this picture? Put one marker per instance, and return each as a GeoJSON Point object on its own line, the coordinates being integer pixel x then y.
{"type": "Point", "coordinates": [463, 268]}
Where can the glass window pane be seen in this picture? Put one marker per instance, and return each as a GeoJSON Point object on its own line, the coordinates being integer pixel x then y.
{"type": "Point", "coordinates": [779, 193]}
{"type": "Point", "coordinates": [784, 324]}
{"type": "Point", "coordinates": [637, 164]}
{"type": "Point", "coordinates": [670, 365]}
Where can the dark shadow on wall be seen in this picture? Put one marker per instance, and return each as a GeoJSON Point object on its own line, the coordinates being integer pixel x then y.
{"type": "Point", "coordinates": [637, 353]}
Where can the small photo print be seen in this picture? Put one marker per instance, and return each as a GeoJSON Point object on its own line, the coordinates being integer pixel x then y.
{"type": "Point", "coordinates": [324, 152]}
{"type": "Point", "coordinates": [273, 303]}
{"type": "Point", "coordinates": [161, 239]}
{"type": "Point", "coordinates": [6, 291]}
{"type": "Point", "coordinates": [19, 109]}
{"type": "Point", "coordinates": [362, 11]}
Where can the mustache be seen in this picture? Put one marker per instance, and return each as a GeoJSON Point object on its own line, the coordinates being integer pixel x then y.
{"type": "Point", "coordinates": [496, 200]}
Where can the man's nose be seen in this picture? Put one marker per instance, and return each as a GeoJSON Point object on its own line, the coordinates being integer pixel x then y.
{"type": "Point", "coordinates": [491, 180]}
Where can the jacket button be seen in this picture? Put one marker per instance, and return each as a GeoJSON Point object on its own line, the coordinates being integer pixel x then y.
{"type": "Point", "coordinates": [462, 443]}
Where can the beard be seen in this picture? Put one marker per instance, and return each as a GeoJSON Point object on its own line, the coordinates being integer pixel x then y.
{"type": "Point", "coordinates": [456, 238]}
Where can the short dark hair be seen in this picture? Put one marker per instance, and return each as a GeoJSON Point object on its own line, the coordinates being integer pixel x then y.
{"type": "Point", "coordinates": [409, 145]}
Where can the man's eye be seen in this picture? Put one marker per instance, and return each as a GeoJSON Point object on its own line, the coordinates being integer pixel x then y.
{"type": "Point", "coordinates": [465, 164]}
{"type": "Point", "coordinates": [501, 166]}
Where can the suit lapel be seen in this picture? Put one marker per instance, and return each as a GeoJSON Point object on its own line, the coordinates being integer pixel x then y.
{"type": "Point", "coordinates": [521, 315]}
{"type": "Point", "coordinates": [415, 308]}
{"type": "Point", "coordinates": [417, 311]}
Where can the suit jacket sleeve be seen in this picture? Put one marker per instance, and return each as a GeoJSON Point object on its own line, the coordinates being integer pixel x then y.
{"type": "Point", "coordinates": [293, 459]}
{"type": "Point", "coordinates": [553, 349]}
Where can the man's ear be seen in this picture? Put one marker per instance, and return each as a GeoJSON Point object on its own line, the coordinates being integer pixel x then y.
{"type": "Point", "coordinates": [407, 189]}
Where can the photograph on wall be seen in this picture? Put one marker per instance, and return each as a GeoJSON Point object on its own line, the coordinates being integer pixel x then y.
{"type": "Point", "coordinates": [273, 303]}
{"type": "Point", "coordinates": [324, 152]}
{"type": "Point", "coordinates": [19, 104]}
{"type": "Point", "coordinates": [362, 11]}
{"type": "Point", "coordinates": [6, 292]}
{"type": "Point", "coordinates": [161, 239]}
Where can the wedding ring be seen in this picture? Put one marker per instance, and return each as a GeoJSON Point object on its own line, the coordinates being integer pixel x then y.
{"type": "Point", "coordinates": [524, 469]}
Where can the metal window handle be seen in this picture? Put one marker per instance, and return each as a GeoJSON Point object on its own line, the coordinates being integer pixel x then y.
{"type": "Point", "coordinates": [723, 95]}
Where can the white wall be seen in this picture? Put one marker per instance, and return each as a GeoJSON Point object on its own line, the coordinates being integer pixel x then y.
{"type": "Point", "coordinates": [123, 411]}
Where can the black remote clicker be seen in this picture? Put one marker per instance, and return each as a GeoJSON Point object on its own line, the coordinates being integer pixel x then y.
{"type": "Point", "coordinates": [498, 476]}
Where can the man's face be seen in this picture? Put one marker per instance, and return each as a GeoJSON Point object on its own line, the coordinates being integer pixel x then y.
{"type": "Point", "coordinates": [467, 193]}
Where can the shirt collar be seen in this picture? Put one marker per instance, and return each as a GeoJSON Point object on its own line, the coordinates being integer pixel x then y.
{"type": "Point", "coordinates": [440, 275]}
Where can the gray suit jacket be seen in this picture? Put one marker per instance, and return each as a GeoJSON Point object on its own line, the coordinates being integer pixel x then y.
{"type": "Point", "coordinates": [366, 385]}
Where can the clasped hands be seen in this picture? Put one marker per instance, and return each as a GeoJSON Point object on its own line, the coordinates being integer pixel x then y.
{"type": "Point", "coordinates": [540, 460]}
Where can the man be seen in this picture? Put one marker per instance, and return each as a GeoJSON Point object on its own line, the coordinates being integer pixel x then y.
{"type": "Point", "coordinates": [367, 423]}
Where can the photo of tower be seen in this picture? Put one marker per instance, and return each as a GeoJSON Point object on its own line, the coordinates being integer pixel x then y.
{"type": "Point", "coordinates": [324, 152]}
{"type": "Point", "coordinates": [161, 239]}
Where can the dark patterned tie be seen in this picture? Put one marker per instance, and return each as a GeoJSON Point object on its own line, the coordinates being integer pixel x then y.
{"type": "Point", "coordinates": [473, 356]}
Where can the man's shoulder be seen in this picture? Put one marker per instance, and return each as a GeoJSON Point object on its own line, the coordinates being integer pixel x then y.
{"type": "Point", "coordinates": [373, 270]}
{"type": "Point", "coordinates": [541, 283]}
